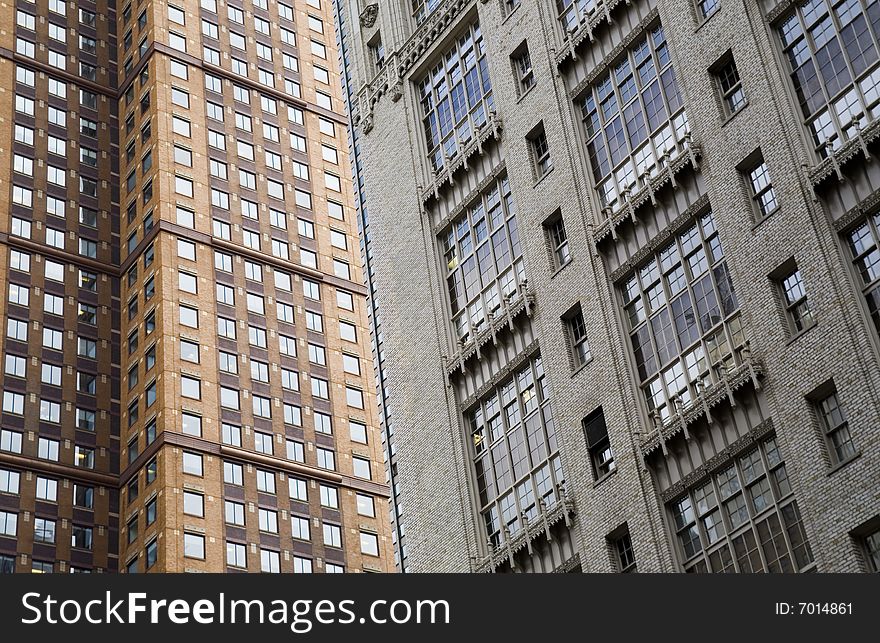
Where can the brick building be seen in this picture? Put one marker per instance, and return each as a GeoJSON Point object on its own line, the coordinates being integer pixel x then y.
{"type": "Point", "coordinates": [187, 381]}
{"type": "Point", "coordinates": [626, 256]}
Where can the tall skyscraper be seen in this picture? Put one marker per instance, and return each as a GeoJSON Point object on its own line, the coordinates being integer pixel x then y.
{"type": "Point", "coordinates": [626, 260]}
{"type": "Point", "coordinates": [187, 378]}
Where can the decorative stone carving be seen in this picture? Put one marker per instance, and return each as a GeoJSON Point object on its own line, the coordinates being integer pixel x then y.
{"type": "Point", "coordinates": [369, 15]}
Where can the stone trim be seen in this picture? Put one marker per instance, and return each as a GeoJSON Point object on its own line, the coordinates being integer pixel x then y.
{"type": "Point", "coordinates": [369, 14]}
{"type": "Point", "coordinates": [689, 157]}
{"type": "Point", "coordinates": [731, 451]}
{"type": "Point", "coordinates": [493, 382]}
{"type": "Point", "coordinates": [781, 8]}
{"type": "Point", "coordinates": [576, 38]}
{"type": "Point", "coordinates": [865, 207]}
{"type": "Point", "coordinates": [637, 32]}
{"type": "Point", "coordinates": [508, 313]}
{"type": "Point", "coordinates": [833, 164]}
{"type": "Point", "coordinates": [563, 509]}
{"type": "Point", "coordinates": [570, 565]}
{"type": "Point", "coordinates": [746, 373]}
{"type": "Point", "coordinates": [491, 129]}
{"type": "Point", "coordinates": [661, 238]}
{"type": "Point", "coordinates": [471, 197]}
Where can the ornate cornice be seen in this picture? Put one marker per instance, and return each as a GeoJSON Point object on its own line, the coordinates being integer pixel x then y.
{"type": "Point", "coordinates": [561, 510]}
{"type": "Point", "coordinates": [471, 197]}
{"type": "Point", "coordinates": [832, 165]}
{"type": "Point", "coordinates": [369, 14]}
{"type": "Point", "coordinates": [524, 302]}
{"type": "Point", "coordinates": [781, 8]}
{"type": "Point", "coordinates": [661, 238]}
{"type": "Point", "coordinates": [753, 436]}
{"type": "Point", "coordinates": [398, 64]}
{"type": "Point", "coordinates": [687, 157]}
{"type": "Point", "coordinates": [491, 129]}
{"type": "Point", "coordinates": [863, 208]}
{"type": "Point", "coordinates": [509, 369]}
{"type": "Point", "coordinates": [573, 40]}
{"type": "Point", "coordinates": [569, 566]}
{"type": "Point", "coordinates": [748, 372]}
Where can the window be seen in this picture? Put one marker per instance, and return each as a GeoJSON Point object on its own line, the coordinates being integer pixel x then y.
{"type": "Point", "coordinates": [233, 473]}
{"type": "Point", "coordinates": [761, 188]}
{"type": "Point", "coordinates": [872, 549]}
{"type": "Point", "coordinates": [357, 431]}
{"type": "Point", "coordinates": [9, 481]}
{"type": "Point", "coordinates": [236, 555]}
{"type": "Point", "coordinates": [448, 123]}
{"type": "Point", "coordinates": [683, 316]}
{"type": "Point", "coordinates": [797, 306]}
{"type": "Point", "coordinates": [300, 528]}
{"type": "Point", "coordinates": [732, 94]}
{"type": "Point", "coordinates": [47, 489]}
{"type": "Point", "coordinates": [361, 467]}
{"type": "Point", "coordinates": [263, 442]}
{"type": "Point", "coordinates": [297, 489]}
{"type": "Point", "coordinates": [706, 8]}
{"type": "Point", "coordinates": [265, 481]}
{"type": "Point", "coordinates": [366, 505]}
{"type": "Point", "coordinates": [329, 497]}
{"type": "Point", "coordinates": [151, 553]}
{"type": "Point", "coordinates": [44, 531]}
{"type": "Point", "coordinates": [192, 463]}
{"type": "Point", "coordinates": [522, 69]}
{"type": "Point", "coordinates": [326, 459]}
{"type": "Point", "coordinates": [483, 258]}
{"type": "Point", "coordinates": [8, 524]}
{"type": "Point", "coordinates": [190, 387]}
{"type": "Point", "coordinates": [836, 428]}
{"type": "Point", "coordinates": [270, 562]}
{"type": "Point", "coordinates": [743, 518]}
{"type": "Point", "coordinates": [83, 496]}
{"type": "Point", "coordinates": [576, 329]}
{"type": "Point", "coordinates": [369, 544]}
{"type": "Point", "coordinates": [624, 557]}
{"type": "Point", "coordinates": [557, 240]}
{"type": "Point", "coordinates": [864, 244]}
{"type": "Point", "coordinates": [10, 441]}
{"type": "Point", "coordinates": [513, 446]}
{"type": "Point", "coordinates": [268, 520]}
{"type": "Point", "coordinates": [833, 58]}
{"type": "Point", "coordinates": [332, 535]}
{"type": "Point", "coordinates": [296, 451]}
{"type": "Point", "coordinates": [633, 117]}
{"type": "Point", "coordinates": [193, 546]}
{"type": "Point", "coordinates": [596, 434]}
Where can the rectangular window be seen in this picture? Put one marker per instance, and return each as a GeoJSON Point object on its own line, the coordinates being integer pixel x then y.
{"type": "Point", "coordinates": [743, 518]}
{"type": "Point", "coordinates": [864, 244]}
{"type": "Point", "coordinates": [831, 50]}
{"type": "Point", "coordinates": [633, 117]}
{"type": "Point", "coordinates": [596, 434]}
{"type": "Point", "coordinates": [761, 188]}
{"type": "Point", "coordinates": [540, 150]}
{"type": "Point", "coordinates": [522, 68]}
{"type": "Point", "coordinates": [576, 328]}
{"type": "Point", "coordinates": [557, 240]}
{"type": "Point", "coordinates": [797, 306]}
{"type": "Point", "coordinates": [683, 316]}
{"type": "Point", "coordinates": [456, 97]}
{"type": "Point", "coordinates": [730, 86]}
{"type": "Point", "coordinates": [482, 256]}
{"type": "Point", "coordinates": [836, 428]}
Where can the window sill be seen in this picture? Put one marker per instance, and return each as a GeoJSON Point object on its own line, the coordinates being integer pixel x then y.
{"type": "Point", "coordinates": [512, 13]}
{"type": "Point", "coordinates": [560, 268]}
{"type": "Point", "coordinates": [605, 477]}
{"type": "Point", "coordinates": [580, 368]}
{"type": "Point", "coordinates": [760, 221]}
{"type": "Point", "coordinates": [729, 117]}
{"type": "Point", "coordinates": [522, 95]}
{"type": "Point", "coordinates": [540, 179]}
{"type": "Point", "coordinates": [703, 21]}
{"type": "Point", "coordinates": [840, 465]}
{"type": "Point", "coordinates": [800, 334]}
